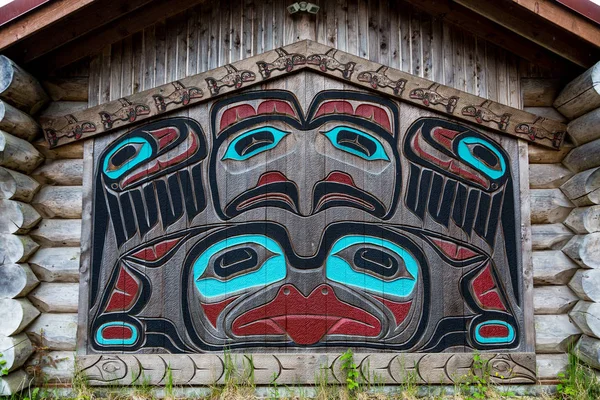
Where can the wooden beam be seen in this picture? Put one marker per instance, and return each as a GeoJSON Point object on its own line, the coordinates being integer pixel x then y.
{"type": "Point", "coordinates": [74, 25]}
{"type": "Point", "coordinates": [311, 56]}
{"type": "Point", "coordinates": [494, 33]}
{"type": "Point", "coordinates": [528, 25]}
{"type": "Point", "coordinates": [94, 41]}
{"type": "Point", "coordinates": [563, 18]}
{"type": "Point", "coordinates": [38, 19]}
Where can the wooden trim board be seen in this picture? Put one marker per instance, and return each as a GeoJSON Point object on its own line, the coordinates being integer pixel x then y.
{"type": "Point", "coordinates": [298, 56]}
{"type": "Point", "coordinates": [298, 369]}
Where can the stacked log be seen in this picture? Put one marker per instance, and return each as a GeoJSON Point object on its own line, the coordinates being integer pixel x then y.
{"type": "Point", "coordinates": [56, 263]}
{"type": "Point", "coordinates": [580, 102]}
{"type": "Point", "coordinates": [20, 96]}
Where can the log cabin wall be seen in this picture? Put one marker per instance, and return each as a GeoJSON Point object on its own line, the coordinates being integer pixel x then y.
{"type": "Point", "coordinates": [214, 34]}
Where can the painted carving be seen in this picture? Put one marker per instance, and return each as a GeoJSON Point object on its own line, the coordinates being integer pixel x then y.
{"type": "Point", "coordinates": [328, 62]}
{"type": "Point", "coordinates": [483, 113]}
{"type": "Point", "coordinates": [279, 225]}
{"type": "Point", "coordinates": [536, 131]}
{"type": "Point", "coordinates": [379, 79]}
{"type": "Point", "coordinates": [303, 56]}
{"type": "Point", "coordinates": [234, 78]}
{"type": "Point", "coordinates": [285, 62]}
{"type": "Point", "coordinates": [431, 97]}
{"type": "Point", "coordinates": [71, 128]}
{"type": "Point", "coordinates": [181, 95]}
{"type": "Point", "coordinates": [128, 112]}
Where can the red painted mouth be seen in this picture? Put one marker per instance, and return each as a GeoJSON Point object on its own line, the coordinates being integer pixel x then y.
{"type": "Point", "coordinates": [306, 320]}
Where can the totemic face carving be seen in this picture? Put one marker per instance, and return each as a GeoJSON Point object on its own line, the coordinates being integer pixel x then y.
{"type": "Point", "coordinates": [310, 237]}
{"type": "Point", "coordinates": [268, 153]}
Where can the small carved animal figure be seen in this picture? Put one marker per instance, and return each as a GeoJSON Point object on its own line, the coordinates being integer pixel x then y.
{"type": "Point", "coordinates": [482, 113]}
{"type": "Point", "coordinates": [234, 78]}
{"type": "Point", "coordinates": [72, 129]}
{"type": "Point", "coordinates": [128, 112]}
{"type": "Point", "coordinates": [327, 62]}
{"type": "Point", "coordinates": [378, 79]}
{"type": "Point", "coordinates": [181, 95]}
{"type": "Point", "coordinates": [536, 131]}
{"type": "Point", "coordinates": [285, 62]}
{"type": "Point", "coordinates": [431, 96]}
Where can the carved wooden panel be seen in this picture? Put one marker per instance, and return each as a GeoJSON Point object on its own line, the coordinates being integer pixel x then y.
{"type": "Point", "coordinates": [305, 216]}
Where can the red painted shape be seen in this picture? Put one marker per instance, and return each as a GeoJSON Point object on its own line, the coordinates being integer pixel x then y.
{"type": "Point", "coordinates": [236, 114]}
{"type": "Point", "coordinates": [275, 107]}
{"type": "Point", "coordinates": [493, 331]}
{"type": "Point", "coordinates": [485, 290]}
{"type": "Point", "coordinates": [124, 293]}
{"type": "Point", "coordinates": [271, 177]}
{"type": "Point", "coordinates": [454, 250]}
{"type": "Point", "coordinates": [306, 320]}
{"type": "Point", "coordinates": [157, 251]}
{"type": "Point", "coordinates": [159, 164]}
{"type": "Point", "coordinates": [400, 310]}
{"type": "Point", "coordinates": [375, 113]}
{"type": "Point", "coordinates": [340, 177]}
{"type": "Point", "coordinates": [335, 107]}
{"type": "Point", "coordinates": [117, 332]}
{"type": "Point", "coordinates": [449, 165]}
{"type": "Point", "coordinates": [444, 136]}
{"type": "Point", "coordinates": [212, 311]}
{"type": "Point", "coordinates": [165, 136]}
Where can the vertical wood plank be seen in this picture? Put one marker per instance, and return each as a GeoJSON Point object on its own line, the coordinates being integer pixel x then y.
{"type": "Point", "coordinates": [352, 28]}
{"type": "Point", "coordinates": [149, 57]}
{"type": "Point", "coordinates": [193, 37]}
{"type": "Point", "coordinates": [427, 43]}
{"type": "Point", "coordinates": [363, 29]}
{"type": "Point", "coordinates": [137, 79]}
{"type": "Point", "coordinates": [373, 32]}
{"type": "Point", "coordinates": [470, 67]}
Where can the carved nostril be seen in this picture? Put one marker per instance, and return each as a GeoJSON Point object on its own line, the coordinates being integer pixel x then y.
{"type": "Point", "coordinates": [324, 291]}
{"type": "Point", "coordinates": [286, 291]}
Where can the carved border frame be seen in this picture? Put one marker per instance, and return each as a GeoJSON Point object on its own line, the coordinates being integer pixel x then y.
{"type": "Point", "coordinates": [303, 368]}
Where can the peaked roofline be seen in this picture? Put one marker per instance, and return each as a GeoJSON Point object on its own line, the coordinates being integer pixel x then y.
{"type": "Point", "coordinates": [299, 56]}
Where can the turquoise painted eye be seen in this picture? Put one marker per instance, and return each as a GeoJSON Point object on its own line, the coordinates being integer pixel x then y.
{"type": "Point", "coordinates": [232, 258]}
{"type": "Point", "coordinates": [356, 142]}
{"type": "Point", "coordinates": [483, 156]}
{"type": "Point", "coordinates": [372, 264]}
{"type": "Point", "coordinates": [126, 156]}
{"type": "Point", "coordinates": [253, 142]}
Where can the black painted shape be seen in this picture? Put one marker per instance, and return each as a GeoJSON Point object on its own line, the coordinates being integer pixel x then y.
{"type": "Point", "coordinates": [235, 261]}
{"type": "Point", "coordinates": [159, 329]}
{"type": "Point", "coordinates": [128, 214]}
{"type": "Point", "coordinates": [171, 207]}
{"type": "Point", "coordinates": [377, 261]}
{"type": "Point", "coordinates": [115, 216]}
{"type": "Point", "coordinates": [424, 186]}
{"type": "Point", "coordinates": [470, 214]}
{"type": "Point", "coordinates": [194, 198]}
{"type": "Point", "coordinates": [346, 194]}
{"type": "Point", "coordinates": [242, 202]}
{"type": "Point", "coordinates": [449, 331]}
{"type": "Point", "coordinates": [440, 209]}
{"type": "Point", "coordinates": [145, 220]}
